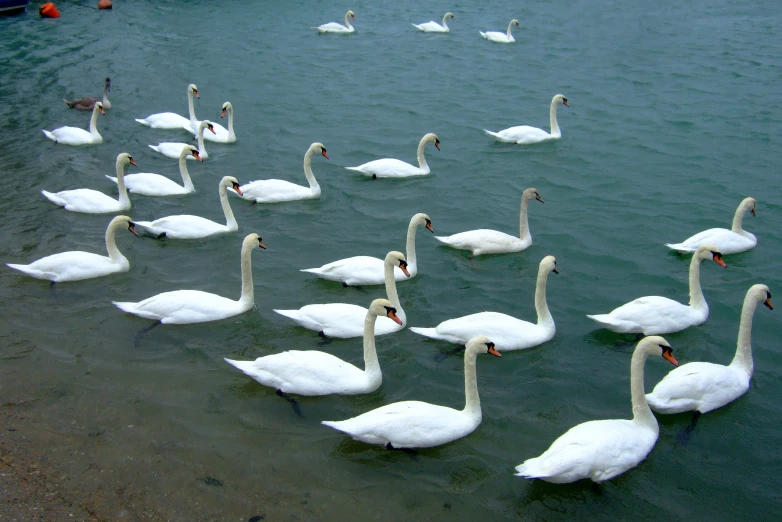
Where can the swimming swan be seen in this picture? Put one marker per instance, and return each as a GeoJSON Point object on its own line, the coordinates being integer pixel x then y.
{"type": "Point", "coordinates": [498, 37]}
{"type": "Point", "coordinates": [314, 372]}
{"type": "Point", "coordinates": [91, 201]}
{"type": "Point", "coordinates": [219, 133]}
{"type": "Point", "coordinates": [334, 27]}
{"type": "Point", "coordinates": [185, 226]}
{"type": "Point", "coordinates": [194, 306]}
{"type": "Point", "coordinates": [170, 120]}
{"type": "Point", "coordinates": [434, 27]}
{"type": "Point", "coordinates": [525, 135]}
{"type": "Point", "coordinates": [703, 386]}
{"type": "Point", "coordinates": [394, 168]}
{"type": "Point", "coordinates": [728, 241]}
{"type": "Point", "coordinates": [77, 136]}
{"type": "Point", "coordinates": [77, 265]}
{"type": "Point", "coordinates": [508, 333]}
{"type": "Point", "coordinates": [655, 315]}
{"type": "Point", "coordinates": [486, 241]}
{"type": "Point", "coordinates": [148, 184]}
{"type": "Point", "coordinates": [173, 149]}
{"type": "Point", "coordinates": [416, 424]}
{"type": "Point", "coordinates": [367, 270]}
{"type": "Point", "coordinates": [277, 190]}
{"type": "Point", "coordinates": [600, 450]}
{"type": "Point", "coordinates": [343, 320]}
{"type": "Point", "coordinates": [87, 104]}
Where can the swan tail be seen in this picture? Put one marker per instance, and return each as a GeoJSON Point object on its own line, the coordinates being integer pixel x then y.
{"type": "Point", "coordinates": [492, 134]}
{"type": "Point", "coordinates": [54, 198]}
{"type": "Point", "coordinates": [483, 34]}
{"type": "Point", "coordinates": [527, 470]}
{"type": "Point", "coordinates": [316, 271]}
{"type": "Point", "coordinates": [50, 135]}
{"type": "Point", "coordinates": [291, 314]}
{"type": "Point", "coordinates": [427, 332]}
{"type": "Point", "coordinates": [354, 169]}
{"type": "Point", "coordinates": [681, 247]}
{"type": "Point", "coordinates": [616, 325]}
{"type": "Point", "coordinates": [70, 103]}
{"type": "Point", "coordinates": [143, 122]}
{"type": "Point", "coordinates": [112, 178]}
{"type": "Point", "coordinates": [443, 239]}
{"type": "Point", "coordinates": [338, 425]}
{"type": "Point", "coordinates": [156, 148]}
{"type": "Point", "coordinates": [246, 367]}
{"type": "Point", "coordinates": [131, 308]}
{"type": "Point", "coordinates": [21, 268]}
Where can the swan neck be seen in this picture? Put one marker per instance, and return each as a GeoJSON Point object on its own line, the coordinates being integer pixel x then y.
{"type": "Point", "coordinates": [347, 21]}
{"type": "Point", "coordinates": [248, 295]}
{"type": "Point", "coordinates": [738, 218]}
{"type": "Point", "coordinates": [185, 173]}
{"type": "Point", "coordinates": [743, 357]}
{"type": "Point", "coordinates": [553, 120]}
{"type": "Point", "coordinates": [111, 245]}
{"type": "Point", "coordinates": [393, 296]}
{"type": "Point", "coordinates": [105, 95]}
{"type": "Point", "coordinates": [472, 403]}
{"type": "Point", "coordinates": [523, 222]}
{"type": "Point", "coordinates": [371, 364]}
{"type": "Point", "coordinates": [123, 191]}
{"type": "Point", "coordinates": [191, 109]}
{"type": "Point", "coordinates": [445, 22]}
{"type": "Point", "coordinates": [541, 305]}
{"type": "Point", "coordinates": [94, 121]}
{"type": "Point", "coordinates": [421, 159]}
{"type": "Point", "coordinates": [697, 301]}
{"type": "Point", "coordinates": [308, 171]}
{"type": "Point", "coordinates": [231, 133]}
{"type": "Point", "coordinates": [201, 146]}
{"type": "Point", "coordinates": [510, 26]}
{"type": "Point", "coordinates": [412, 264]}
{"type": "Point", "coordinates": [230, 220]}
{"type": "Point", "coordinates": [641, 411]}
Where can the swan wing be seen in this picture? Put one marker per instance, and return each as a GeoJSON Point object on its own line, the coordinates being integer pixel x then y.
{"type": "Point", "coordinates": [431, 27]}
{"type": "Point", "coordinates": [85, 200]}
{"type": "Point", "coordinates": [183, 227]}
{"type": "Point", "coordinates": [173, 149]}
{"type": "Point", "coordinates": [698, 386]}
{"type": "Point", "coordinates": [364, 270]}
{"type": "Point", "coordinates": [522, 134]}
{"type": "Point", "coordinates": [148, 184]}
{"type": "Point", "coordinates": [507, 332]}
{"type": "Point", "coordinates": [485, 241]}
{"type": "Point", "coordinates": [275, 191]}
{"type": "Point", "coordinates": [73, 136]}
{"type": "Point", "coordinates": [334, 27]}
{"type": "Point", "coordinates": [651, 315]}
{"type": "Point", "coordinates": [165, 120]}
{"type": "Point", "coordinates": [727, 241]}
{"type": "Point", "coordinates": [71, 266]}
{"type": "Point", "coordinates": [184, 307]}
{"type": "Point", "coordinates": [389, 168]}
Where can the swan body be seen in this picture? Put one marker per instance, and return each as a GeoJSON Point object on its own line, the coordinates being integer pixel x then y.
{"type": "Point", "coordinates": [525, 135]}
{"type": "Point", "coordinates": [367, 270]}
{"type": "Point", "coordinates": [173, 149]}
{"type": "Point", "coordinates": [485, 241]}
{"type": "Point", "coordinates": [434, 27]}
{"type": "Point", "coordinates": [314, 372]}
{"type": "Point", "coordinates": [343, 320]}
{"type": "Point", "coordinates": [219, 133]}
{"type": "Point", "coordinates": [496, 36]}
{"type": "Point", "coordinates": [91, 201]}
{"type": "Point", "coordinates": [507, 333]}
{"type": "Point", "coordinates": [277, 190]}
{"type": "Point", "coordinates": [148, 184]}
{"type": "Point", "coordinates": [728, 241]}
{"type": "Point", "coordinates": [334, 27]}
{"type": "Point", "coordinates": [416, 424]}
{"type": "Point", "coordinates": [76, 265]}
{"type": "Point", "coordinates": [185, 226]}
{"type": "Point", "coordinates": [703, 386]}
{"type": "Point", "coordinates": [655, 315]}
{"type": "Point", "coordinates": [394, 168]}
{"type": "Point", "coordinates": [171, 120]}
{"type": "Point", "coordinates": [87, 104]}
{"type": "Point", "coordinates": [194, 306]}
{"type": "Point", "coordinates": [77, 136]}
{"type": "Point", "coordinates": [601, 450]}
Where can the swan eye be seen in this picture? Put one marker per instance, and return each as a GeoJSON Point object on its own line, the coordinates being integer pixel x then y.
{"type": "Point", "coordinates": [768, 295]}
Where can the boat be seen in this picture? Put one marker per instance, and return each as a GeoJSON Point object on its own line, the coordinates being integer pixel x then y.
{"type": "Point", "coordinates": [10, 7]}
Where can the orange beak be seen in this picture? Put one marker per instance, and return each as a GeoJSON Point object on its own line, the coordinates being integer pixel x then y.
{"type": "Point", "coordinates": [323, 153]}
{"type": "Point", "coordinates": [133, 162]}
{"type": "Point", "coordinates": [197, 156]}
{"type": "Point", "coordinates": [222, 114]}
{"type": "Point", "coordinates": [101, 110]}
{"type": "Point", "coordinates": [196, 94]}
{"type": "Point", "coordinates": [752, 210]}
{"type": "Point", "coordinates": [393, 317]}
{"type": "Point", "coordinates": [239, 191]}
{"type": "Point", "coordinates": [403, 268]}
{"type": "Point", "coordinates": [437, 144]}
{"type": "Point", "coordinates": [212, 129]}
{"type": "Point", "coordinates": [767, 302]}
{"type": "Point", "coordinates": [494, 352]}
{"type": "Point", "coordinates": [261, 245]}
{"type": "Point", "coordinates": [669, 356]}
{"type": "Point", "coordinates": [719, 261]}
{"type": "Point", "coordinates": [429, 227]}
{"type": "Point", "coordinates": [132, 228]}
{"type": "Point", "coordinates": [566, 104]}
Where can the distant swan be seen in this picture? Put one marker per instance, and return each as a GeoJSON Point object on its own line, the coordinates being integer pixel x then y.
{"type": "Point", "coordinates": [170, 120]}
{"type": "Point", "coordinates": [278, 190]}
{"type": "Point", "coordinates": [173, 149]}
{"type": "Point", "coordinates": [394, 168]}
{"type": "Point", "coordinates": [148, 184]}
{"type": "Point", "coordinates": [728, 241]}
{"type": "Point", "coordinates": [498, 37]}
{"type": "Point", "coordinates": [525, 135]}
{"type": "Point", "coordinates": [334, 27]}
{"type": "Point", "coordinates": [77, 265]}
{"type": "Point", "coordinates": [434, 27]}
{"type": "Point", "coordinates": [77, 136]}
{"type": "Point", "coordinates": [87, 104]}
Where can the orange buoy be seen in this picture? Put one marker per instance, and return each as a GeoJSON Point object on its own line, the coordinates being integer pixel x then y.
{"type": "Point", "coordinates": [104, 4]}
{"type": "Point", "coordinates": [48, 10]}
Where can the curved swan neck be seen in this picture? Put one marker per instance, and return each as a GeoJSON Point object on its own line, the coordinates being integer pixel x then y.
{"type": "Point", "coordinates": [393, 296]}
{"type": "Point", "coordinates": [523, 222]}
{"type": "Point", "coordinates": [738, 218]}
{"type": "Point", "coordinates": [510, 26]}
{"type": "Point", "coordinates": [347, 21]}
{"type": "Point", "coordinates": [248, 295]}
{"type": "Point", "coordinates": [421, 159]}
{"type": "Point", "coordinates": [111, 245]}
{"type": "Point", "coordinates": [94, 121]}
{"type": "Point", "coordinates": [553, 119]}
{"type": "Point", "coordinates": [412, 265]}
{"type": "Point", "coordinates": [185, 173]}
{"type": "Point", "coordinates": [445, 21]}
{"type": "Point", "coordinates": [230, 220]}
{"type": "Point", "coordinates": [231, 133]}
{"type": "Point", "coordinates": [201, 147]}
{"type": "Point", "coordinates": [123, 191]}
{"type": "Point", "coordinates": [105, 100]}
{"type": "Point", "coordinates": [641, 411]}
{"type": "Point", "coordinates": [697, 300]}
{"type": "Point", "coordinates": [191, 109]}
{"type": "Point", "coordinates": [371, 364]}
{"type": "Point", "coordinates": [308, 171]}
{"type": "Point", "coordinates": [541, 306]}
{"type": "Point", "coordinates": [472, 403]}
{"type": "Point", "coordinates": [743, 357]}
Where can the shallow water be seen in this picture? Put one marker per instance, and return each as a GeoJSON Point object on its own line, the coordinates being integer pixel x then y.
{"type": "Point", "coordinates": [674, 119]}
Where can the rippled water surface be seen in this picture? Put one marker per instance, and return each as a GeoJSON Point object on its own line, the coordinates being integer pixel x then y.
{"type": "Point", "coordinates": [674, 118]}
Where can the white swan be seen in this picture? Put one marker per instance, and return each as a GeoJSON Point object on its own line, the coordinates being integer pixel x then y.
{"type": "Point", "coordinates": [91, 201]}
{"type": "Point", "coordinates": [367, 270]}
{"type": "Point", "coordinates": [600, 450]}
{"type": "Point", "coordinates": [77, 265]}
{"type": "Point", "coordinates": [434, 27]}
{"type": "Point", "coordinates": [334, 27]}
{"type": "Point", "coordinates": [416, 424]}
{"type": "Point", "coordinates": [277, 190]}
{"type": "Point", "coordinates": [346, 320]}
{"type": "Point", "coordinates": [508, 333]}
{"type": "Point", "coordinates": [703, 386]}
{"type": "Point", "coordinates": [219, 133]}
{"type": "Point", "coordinates": [728, 241]}
{"type": "Point", "coordinates": [77, 136]}
{"type": "Point", "coordinates": [148, 184]}
{"type": "Point", "coordinates": [496, 36]}
{"type": "Point", "coordinates": [655, 315]}
{"type": "Point", "coordinates": [194, 306]}
{"type": "Point", "coordinates": [314, 372]}
{"type": "Point", "coordinates": [486, 241]}
{"type": "Point", "coordinates": [394, 168]}
{"type": "Point", "coordinates": [173, 149]}
{"type": "Point", "coordinates": [525, 135]}
{"type": "Point", "coordinates": [170, 120]}
{"type": "Point", "coordinates": [87, 104]}
{"type": "Point", "coordinates": [185, 226]}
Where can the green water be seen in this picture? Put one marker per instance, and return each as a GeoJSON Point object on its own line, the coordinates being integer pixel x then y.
{"type": "Point", "coordinates": [674, 119]}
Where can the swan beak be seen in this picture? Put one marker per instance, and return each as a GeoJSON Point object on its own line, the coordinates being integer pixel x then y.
{"type": "Point", "coordinates": [211, 128]}
{"type": "Point", "coordinates": [753, 211]}
{"type": "Point", "coordinates": [133, 162]}
{"type": "Point", "coordinates": [537, 196]}
{"type": "Point", "coordinates": [555, 270]}
{"type": "Point", "coordinates": [222, 114]}
{"type": "Point", "coordinates": [565, 103]}
{"type": "Point", "coordinates": [493, 351]}
{"type": "Point", "coordinates": [767, 302]}
{"type": "Point", "coordinates": [404, 269]}
{"type": "Point", "coordinates": [260, 244]}
{"type": "Point", "coordinates": [324, 154]}
{"type": "Point", "coordinates": [429, 227]}
{"type": "Point", "coordinates": [197, 156]}
{"type": "Point", "coordinates": [437, 144]}
{"type": "Point", "coordinates": [101, 110]}
{"type": "Point", "coordinates": [669, 356]}
{"type": "Point", "coordinates": [132, 228]}
{"type": "Point", "coordinates": [196, 94]}
{"type": "Point", "coordinates": [238, 190]}
{"type": "Point", "coordinates": [718, 259]}
{"type": "Point", "coordinates": [391, 315]}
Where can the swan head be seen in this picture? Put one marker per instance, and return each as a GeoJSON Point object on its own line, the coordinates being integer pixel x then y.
{"type": "Point", "coordinates": [761, 293]}
{"type": "Point", "coordinates": [710, 252]}
{"type": "Point", "coordinates": [656, 345]}
{"type": "Point", "coordinates": [560, 98]}
{"type": "Point", "coordinates": [448, 15]}
{"type": "Point", "coordinates": [253, 241]}
{"type": "Point", "coordinates": [749, 204]}
{"type": "Point", "coordinates": [108, 84]}
{"type": "Point", "coordinates": [422, 219]}
{"type": "Point", "coordinates": [315, 147]}
{"type": "Point", "coordinates": [481, 344]}
{"type": "Point", "coordinates": [351, 15]}
{"type": "Point", "coordinates": [230, 181]}
{"type": "Point", "coordinates": [432, 137]}
{"type": "Point", "coordinates": [515, 22]}
{"type": "Point", "coordinates": [120, 221]}
{"type": "Point", "coordinates": [395, 258]}
{"type": "Point", "coordinates": [227, 107]}
{"type": "Point", "coordinates": [192, 88]}
{"type": "Point", "coordinates": [99, 107]}
{"type": "Point", "coordinates": [206, 124]}
{"type": "Point", "coordinates": [531, 193]}
{"type": "Point", "coordinates": [548, 264]}
{"type": "Point", "coordinates": [189, 150]}
{"type": "Point", "coordinates": [125, 159]}
{"type": "Point", "coordinates": [383, 307]}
